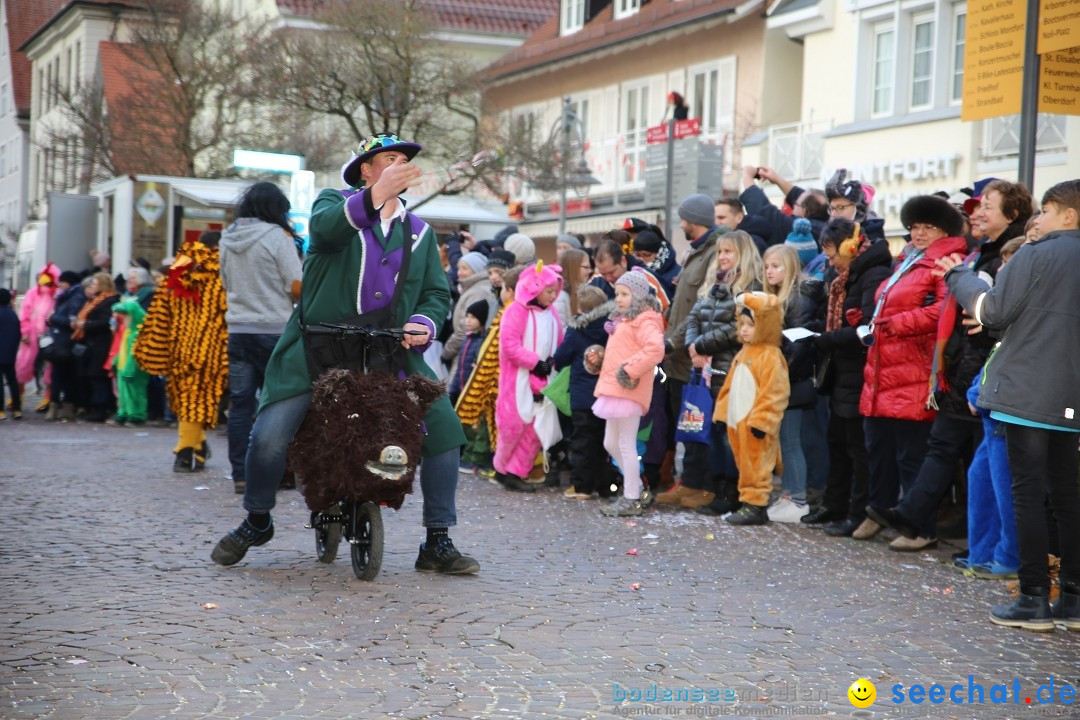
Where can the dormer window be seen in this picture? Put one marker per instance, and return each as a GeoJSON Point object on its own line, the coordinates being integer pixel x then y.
{"type": "Point", "coordinates": [572, 16]}
{"type": "Point", "coordinates": [626, 8]}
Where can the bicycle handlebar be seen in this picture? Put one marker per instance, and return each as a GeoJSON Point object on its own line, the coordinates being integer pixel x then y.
{"type": "Point", "coordinates": [370, 332]}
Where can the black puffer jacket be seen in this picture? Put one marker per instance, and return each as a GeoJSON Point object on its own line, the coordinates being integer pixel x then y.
{"type": "Point", "coordinates": [846, 351]}
{"type": "Point", "coordinates": [966, 354]}
{"type": "Point", "coordinates": [97, 337]}
{"type": "Point", "coordinates": [712, 329]}
{"type": "Point", "coordinates": [806, 309]}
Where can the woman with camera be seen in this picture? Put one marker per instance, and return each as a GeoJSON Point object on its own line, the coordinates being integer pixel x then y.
{"type": "Point", "coordinates": [861, 267]}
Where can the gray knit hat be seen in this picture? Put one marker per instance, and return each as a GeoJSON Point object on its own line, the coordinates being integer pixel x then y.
{"type": "Point", "coordinates": [699, 210]}
{"type": "Point", "coordinates": [522, 246]}
{"type": "Point", "coordinates": [569, 240]}
{"type": "Point", "coordinates": [477, 261]}
{"type": "Point", "coordinates": [636, 282]}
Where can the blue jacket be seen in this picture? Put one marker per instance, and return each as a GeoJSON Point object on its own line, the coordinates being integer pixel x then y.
{"type": "Point", "coordinates": [68, 304]}
{"type": "Point", "coordinates": [10, 334]}
{"type": "Point", "coordinates": [470, 350]}
{"type": "Point", "coordinates": [583, 331]}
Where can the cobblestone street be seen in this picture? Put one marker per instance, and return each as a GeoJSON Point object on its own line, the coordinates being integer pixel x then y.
{"type": "Point", "coordinates": [112, 608]}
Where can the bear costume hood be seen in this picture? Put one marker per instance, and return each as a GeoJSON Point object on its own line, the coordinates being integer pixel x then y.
{"type": "Point", "coordinates": [767, 314]}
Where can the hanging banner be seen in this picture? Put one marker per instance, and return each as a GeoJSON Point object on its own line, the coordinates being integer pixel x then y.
{"type": "Point", "coordinates": [993, 59]}
{"type": "Point", "coordinates": [1059, 25]}
{"type": "Point", "coordinates": [1059, 82]}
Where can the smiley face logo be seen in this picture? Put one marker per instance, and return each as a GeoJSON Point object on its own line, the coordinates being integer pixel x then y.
{"type": "Point", "coordinates": [862, 693]}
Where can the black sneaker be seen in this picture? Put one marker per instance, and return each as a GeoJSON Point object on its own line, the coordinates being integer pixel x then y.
{"type": "Point", "coordinates": [721, 505]}
{"type": "Point", "coordinates": [1030, 612]}
{"type": "Point", "coordinates": [513, 482]}
{"type": "Point", "coordinates": [445, 558]}
{"type": "Point", "coordinates": [232, 548]}
{"type": "Point", "coordinates": [749, 515]}
{"type": "Point", "coordinates": [1066, 610]}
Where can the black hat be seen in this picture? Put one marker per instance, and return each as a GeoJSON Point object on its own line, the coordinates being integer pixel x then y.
{"type": "Point", "coordinates": [70, 277]}
{"type": "Point", "coordinates": [5, 297]}
{"type": "Point", "coordinates": [647, 241]}
{"type": "Point", "coordinates": [634, 225]}
{"type": "Point", "coordinates": [369, 148]}
{"type": "Point", "coordinates": [500, 258]}
{"type": "Point", "coordinates": [478, 310]}
{"type": "Point", "coordinates": [932, 210]}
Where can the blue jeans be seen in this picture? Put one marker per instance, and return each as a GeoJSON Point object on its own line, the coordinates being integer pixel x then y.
{"type": "Point", "coordinates": [274, 428]}
{"type": "Point", "coordinates": [794, 477]}
{"type": "Point", "coordinates": [248, 357]}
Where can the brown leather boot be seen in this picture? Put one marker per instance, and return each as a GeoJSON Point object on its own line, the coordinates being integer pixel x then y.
{"type": "Point", "coordinates": [675, 495]}
{"type": "Point", "coordinates": [697, 497]}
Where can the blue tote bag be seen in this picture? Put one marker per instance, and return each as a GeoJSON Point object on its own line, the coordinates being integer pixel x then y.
{"type": "Point", "coordinates": [694, 424]}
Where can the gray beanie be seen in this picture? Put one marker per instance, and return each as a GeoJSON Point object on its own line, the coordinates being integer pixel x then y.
{"type": "Point", "coordinates": [522, 246]}
{"type": "Point", "coordinates": [475, 260]}
{"type": "Point", "coordinates": [699, 210]}
{"type": "Point", "coordinates": [569, 240]}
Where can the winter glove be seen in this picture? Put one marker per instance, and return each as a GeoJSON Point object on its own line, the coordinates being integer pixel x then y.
{"type": "Point", "coordinates": [542, 368]}
{"type": "Point", "coordinates": [721, 426]}
{"type": "Point", "coordinates": [824, 342]}
{"type": "Point", "coordinates": [668, 347]}
{"type": "Point", "coordinates": [538, 397]}
{"type": "Point", "coordinates": [624, 379]}
{"type": "Point", "coordinates": [590, 367]}
{"type": "Point", "coordinates": [759, 434]}
{"type": "Point", "coordinates": [853, 316]}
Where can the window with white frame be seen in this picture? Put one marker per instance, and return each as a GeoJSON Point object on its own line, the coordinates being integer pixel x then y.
{"type": "Point", "coordinates": [635, 125]}
{"type": "Point", "coordinates": [626, 8]}
{"type": "Point", "coordinates": [3, 99]}
{"type": "Point", "coordinates": [572, 16]}
{"type": "Point", "coordinates": [922, 62]}
{"type": "Point", "coordinates": [959, 37]}
{"type": "Point", "coordinates": [883, 72]}
{"type": "Point", "coordinates": [3, 160]}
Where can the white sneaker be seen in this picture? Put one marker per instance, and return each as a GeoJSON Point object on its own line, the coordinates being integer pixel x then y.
{"type": "Point", "coordinates": [787, 511]}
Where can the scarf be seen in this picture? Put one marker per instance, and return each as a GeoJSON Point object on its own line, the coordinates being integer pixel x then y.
{"type": "Point", "coordinates": [80, 332]}
{"type": "Point", "coordinates": [834, 318]}
{"type": "Point", "coordinates": [939, 383]}
{"type": "Point", "coordinates": [661, 258]}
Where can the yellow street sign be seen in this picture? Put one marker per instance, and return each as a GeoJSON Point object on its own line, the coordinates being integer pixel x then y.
{"type": "Point", "coordinates": [1059, 82]}
{"type": "Point", "coordinates": [993, 58]}
{"type": "Point", "coordinates": [1059, 25]}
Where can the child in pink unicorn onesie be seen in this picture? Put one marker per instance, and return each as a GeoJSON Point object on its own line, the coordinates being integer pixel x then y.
{"type": "Point", "coordinates": [529, 333]}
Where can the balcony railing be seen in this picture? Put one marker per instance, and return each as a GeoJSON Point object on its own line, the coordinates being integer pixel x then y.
{"type": "Point", "coordinates": [797, 150]}
{"type": "Point", "coordinates": [1001, 135]}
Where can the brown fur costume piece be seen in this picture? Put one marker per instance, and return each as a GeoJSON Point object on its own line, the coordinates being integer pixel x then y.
{"type": "Point", "coordinates": [352, 417]}
{"type": "Point", "coordinates": [754, 397]}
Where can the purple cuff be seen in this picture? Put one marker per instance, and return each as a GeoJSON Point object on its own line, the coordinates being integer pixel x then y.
{"type": "Point", "coordinates": [359, 211]}
{"type": "Point", "coordinates": [424, 320]}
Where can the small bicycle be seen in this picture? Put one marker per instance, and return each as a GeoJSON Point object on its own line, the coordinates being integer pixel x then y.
{"type": "Point", "coordinates": [359, 444]}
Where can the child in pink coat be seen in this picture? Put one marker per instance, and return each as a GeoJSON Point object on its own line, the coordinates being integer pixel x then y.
{"type": "Point", "coordinates": [529, 332]}
{"type": "Point", "coordinates": [625, 388]}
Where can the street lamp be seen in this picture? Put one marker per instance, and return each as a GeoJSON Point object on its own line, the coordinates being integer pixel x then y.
{"type": "Point", "coordinates": [580, 177]}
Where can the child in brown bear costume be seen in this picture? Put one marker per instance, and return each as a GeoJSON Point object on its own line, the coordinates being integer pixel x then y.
{"type": "Point", "coordinates": [752, 402]}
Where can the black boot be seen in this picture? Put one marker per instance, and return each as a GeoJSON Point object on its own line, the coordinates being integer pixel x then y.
{"type": "Point", "coordinates": [1030, 611]}
{"type": "Point", "coordinates": [185, 461]}
{"type": "Point", "coordinates": [726, 501]}
{"type": "Point", "coordinates": [1066, 610]}
{"type": "Point", "coordinates": [749, 515]}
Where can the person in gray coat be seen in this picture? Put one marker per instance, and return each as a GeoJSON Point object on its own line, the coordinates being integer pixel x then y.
{"type": "Point", "coordinates": [260, 271]}
{"type": "Point", "coordinates": [1032, 385]}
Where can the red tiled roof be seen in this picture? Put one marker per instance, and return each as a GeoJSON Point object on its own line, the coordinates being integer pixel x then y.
{"type": "Point", "coordinates": [143, 130]}
{"type": "Point", "coordinates": [511, 17]}
{"type": "Point", "coordinates": [24, 17]}
{"type": "Point", "coordinates": [603, 30]}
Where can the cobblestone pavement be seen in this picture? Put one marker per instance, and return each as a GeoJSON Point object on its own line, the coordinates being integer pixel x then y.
{"type": "Point", "coordinates": [112, 608]}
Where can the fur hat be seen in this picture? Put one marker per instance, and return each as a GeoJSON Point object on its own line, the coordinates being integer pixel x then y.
{"type": "Point", "coordinates": [500, 258]}
{"type": "Point", "coordinates": [534, 279]}
{"type": "Point", "coordinates": [698, 210]}
{"type": "Point", "coordinates": [522, 246]}
{"type": "Point", "coordinates": [477, 261]}
{"type": "Point", "coordinates": [647, 241]}
{"type": "Point", "coordinates": [636, 282]}
{"type": "Point", "coordinates": [70, 277]}
{"type": "Point", "coordinates": [369, 148]}
{"type": "Point", "coordinates": [932, 210]}
{"type": "Point", "coordinates": [479, 310]}
{"type": "Point", "coordinates": [568, 240]}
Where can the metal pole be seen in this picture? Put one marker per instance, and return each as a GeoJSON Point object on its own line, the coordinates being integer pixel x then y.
{"type": "Point", "coordinates": [1029, 99]}
{"type": "Point", "coordinates": [565, 119]}
{"type": "Point", "coordinates": [668, 200]}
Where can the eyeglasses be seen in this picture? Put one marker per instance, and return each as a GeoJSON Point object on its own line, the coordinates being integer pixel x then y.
{"type": "Point", "coordinates": [380, 140]}
{"type": "Point", "coordinates": [840, 208]}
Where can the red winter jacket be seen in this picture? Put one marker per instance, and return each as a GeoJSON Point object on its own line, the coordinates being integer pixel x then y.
{"type": "Point", "coordinates": [897, 372]}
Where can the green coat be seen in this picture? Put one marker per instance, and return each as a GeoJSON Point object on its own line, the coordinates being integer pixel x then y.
{"type": "Point", "coordinates": [332, 274]}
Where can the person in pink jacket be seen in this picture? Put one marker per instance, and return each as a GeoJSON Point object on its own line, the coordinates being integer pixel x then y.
{"type": "Point", "coordinates": [529, 332]}
{"type": "Point", "coordinates": [36, 308]}
{"type": "Point", "coordinates": [625, 388]}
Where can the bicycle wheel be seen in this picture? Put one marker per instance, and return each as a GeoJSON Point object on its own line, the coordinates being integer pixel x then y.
{"type": "Point", "coordinates": [367, 540]}
{"type": "Point", "coordinates": [327, 527]}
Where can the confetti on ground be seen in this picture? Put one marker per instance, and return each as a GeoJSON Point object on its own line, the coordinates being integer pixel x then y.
{"type": "Point", "coordinates": [77, 661]}
{"type": "Point", "coordinates": [635, 586]}
{"type": "Point", "coordinates": [710, 537]}
{"type": "Point", "coordinates": [201, 487]}
{"type": "Point", "coordinates": [209, 606]}
{"type": "Point", "coordinates": [632, 551]}
{"type": "Point", "coordinates": [631, 523]}
{"type": "Point", "coordinates": [649, 536]}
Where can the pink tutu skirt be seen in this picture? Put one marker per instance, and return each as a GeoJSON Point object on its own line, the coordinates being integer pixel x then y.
{"type": "Point", "coordinates": [611, 408]}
